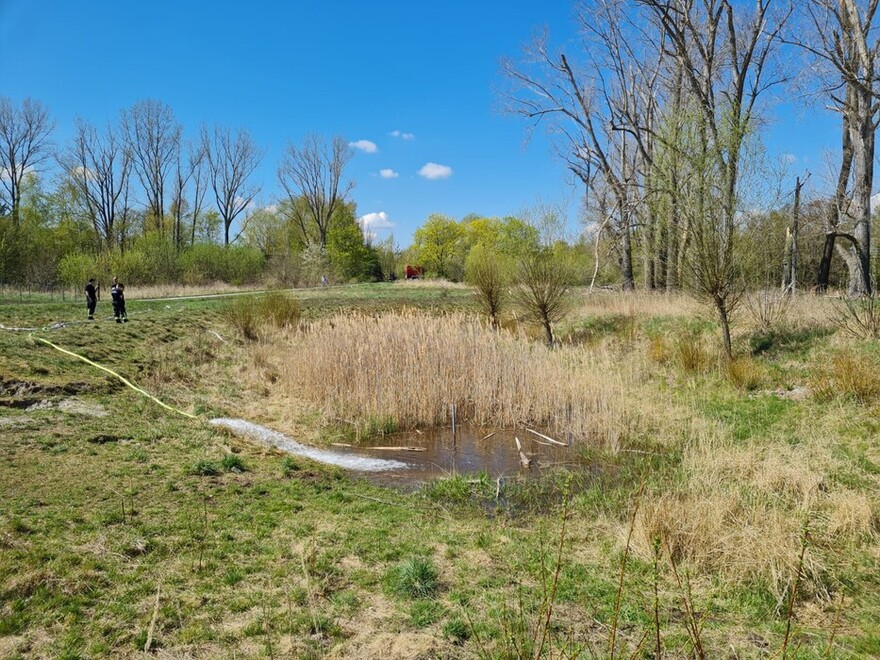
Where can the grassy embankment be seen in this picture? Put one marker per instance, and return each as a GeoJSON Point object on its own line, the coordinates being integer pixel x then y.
{"type": "Point", "coordinates": [122, 523]}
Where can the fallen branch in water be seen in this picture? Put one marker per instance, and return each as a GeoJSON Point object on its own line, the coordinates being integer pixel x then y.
{"type": "Point", "coordinates": [547, 437]}
{"type": "Point", "coordinates": [347, 446]}
{"type": "Point", "coordinates": [525, 460]}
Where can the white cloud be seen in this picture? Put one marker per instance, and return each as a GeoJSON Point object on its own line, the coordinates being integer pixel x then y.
{"type": "Point", "coordinates": [403, 136]}
{"type": "Point", "coordinates": [789, 158]}
{"type": "Point", "coordinates": [373, 221]}
{"type": "Point", "coordinates": [433, 171]}
{"type": "Point", "coordinates": [388, 174]}
{"type": "Point", "coordinates": [5, 172]}
{"type": "Point", "coordinates": [365, 145]}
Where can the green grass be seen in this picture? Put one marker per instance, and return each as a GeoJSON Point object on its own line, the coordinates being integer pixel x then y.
{"type": "Point", "coordinates": [259, 554]}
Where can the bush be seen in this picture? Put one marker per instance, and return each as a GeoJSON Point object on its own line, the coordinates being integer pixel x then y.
{"type": "Point", "coordinates": [487, 271]}
{"type": "Point", "coordinates": [204, 468]}
{"type": "Point", "coordinates": [859, 317]}
{"type": "Point", "coordinates": [416, 577]}
{"type": "Point", "coordinates": [205, 263]}
{"type": "Point", "coordinates": [242, 315]}
{"type": "Point", "coordinates": [248, 314]}
{"type": "Point", "coordinates": [279, 309]}
{"type": "Point", "coordinates": [768, 308]}
{"type": "Point", "coordinates": [232, 463]}
{"type": "Point", "coordinates": [75, 269]}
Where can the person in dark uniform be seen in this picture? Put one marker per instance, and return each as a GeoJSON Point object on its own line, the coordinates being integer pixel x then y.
{"type": "Point", "coordinates": [91, 298]}
{"type": "Point", "coordinates": [118, 295]}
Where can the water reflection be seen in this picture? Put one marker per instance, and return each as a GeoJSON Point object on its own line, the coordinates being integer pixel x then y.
{"type": "Point", "coordinates": [472, 450]}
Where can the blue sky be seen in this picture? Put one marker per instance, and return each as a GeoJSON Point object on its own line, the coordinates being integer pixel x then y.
{"type": "Point", "coordinates": [359, 69]}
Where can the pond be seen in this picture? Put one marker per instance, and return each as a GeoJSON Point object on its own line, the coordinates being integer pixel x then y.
{"type": "Point", "coordinates": [407, 459]}
{"type": "Point", "coordinates": [434, 453]}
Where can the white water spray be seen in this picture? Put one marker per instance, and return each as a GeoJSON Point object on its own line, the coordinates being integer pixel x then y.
{"type": "Point", "coordinates": [275, 439]}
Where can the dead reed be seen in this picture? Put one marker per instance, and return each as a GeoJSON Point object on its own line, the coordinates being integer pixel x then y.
{"type": "Point", "coordinates": [412, 367]}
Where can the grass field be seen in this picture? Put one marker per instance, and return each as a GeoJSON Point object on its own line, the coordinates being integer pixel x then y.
{"type": "Point", "coordinates": [730, 509]}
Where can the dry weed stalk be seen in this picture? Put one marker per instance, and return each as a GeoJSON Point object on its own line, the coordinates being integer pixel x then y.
{"type": "Point", "coordinates": [769, 307]}
{"type": "Point", "coordinates": [858, 317]}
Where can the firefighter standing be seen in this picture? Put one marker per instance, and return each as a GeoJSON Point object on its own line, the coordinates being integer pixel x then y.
{"type": "Point", "coordinates": [91, 298]}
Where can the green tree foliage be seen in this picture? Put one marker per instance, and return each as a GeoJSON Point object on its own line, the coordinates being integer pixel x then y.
{"type": "Point", "coordinates": [236, 264]}
{"type": "Point", "coordinates": [488, 271]}
{"type": "Point", "coordinates": [350, 257]}
{"type": "Point", "coordinates": [440, 247]}
{"type": "Point", "coordinates": [508, 236]}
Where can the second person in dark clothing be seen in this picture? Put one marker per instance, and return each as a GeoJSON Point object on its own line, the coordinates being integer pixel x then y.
{"type": "Point", "coordinates": [118, 295]}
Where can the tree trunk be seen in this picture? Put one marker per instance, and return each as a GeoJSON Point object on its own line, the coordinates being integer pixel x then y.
{"type": "Point", "coordinates": [650, 266]}
{"type": "Point", "coordinates": [795, 227]}
{"type": "Point", "coordinates": [789, 261]}
{"type": "Point", "coordinates": [548, 332]}
{"type": "Point", "coordinates": [863, 179]}
{"type": "Point", "coordinates": [825, 263]}
{"type": "Point", "coordinates": [626, 264]}
{"type": "Point", "coordinates": [724, 320]}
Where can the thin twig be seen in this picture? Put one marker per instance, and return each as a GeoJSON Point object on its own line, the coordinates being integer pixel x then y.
{"type": "Point", "coordinates": [149, 643]}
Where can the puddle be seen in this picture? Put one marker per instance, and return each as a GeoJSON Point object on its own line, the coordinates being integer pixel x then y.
{"type": "Point", "coordinates": [471, 452]}
{"type": "Point", "coordinates": [409, 459]}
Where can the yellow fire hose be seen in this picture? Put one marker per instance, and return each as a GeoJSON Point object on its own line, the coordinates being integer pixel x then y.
{"type": "Point", "coordinates": [113, 373]}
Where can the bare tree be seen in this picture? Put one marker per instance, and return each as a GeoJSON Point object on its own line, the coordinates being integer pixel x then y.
{"type": "Point", "coordinates": [844, 43]}
{"type": "Point", "coordinates": [188, 192]}
{"type": "Point", "coordinates": [542, 290]}
{"type": "Point", "coordinates": [725, 56]}
{"type": "Point", "coordinates": [25, 145]}
{"type": "Point", "coordinates": [152, 137]}
{"type": "Point", "coordinates": [232, 160]}
{"type": "Point", "coordinates": [99, 166]}
{"type": "Point", "coordinates": [603, 111]}
{"type": "Point", "coordinates": [200, 177]}
{"type": "Point", "coordinates": [313, 173]}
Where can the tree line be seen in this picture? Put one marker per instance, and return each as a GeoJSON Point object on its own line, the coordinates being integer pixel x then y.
{"type": "Point", "coordinates": [140, 198]}
{"type": "Point", "coordinates": [658, 110]}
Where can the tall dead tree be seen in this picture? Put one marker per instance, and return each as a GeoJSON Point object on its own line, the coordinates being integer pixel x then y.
{"type": "Point", "coordinates": [152, 136]}
{"type": "Point", "coordinates": [790, 259]}
{"type": "Point", "coordinates": [845, 44]}
{"type": "Point", "coordinates": [232, 160]}
{"type": "Point", "coordinates": [311, 177]}
{"type": "Point", "coordinates": [99, 166]}
{"type": "Point", "coordinates": [25, 146]}
{"type": "Point", "coordinates": [601, 102]}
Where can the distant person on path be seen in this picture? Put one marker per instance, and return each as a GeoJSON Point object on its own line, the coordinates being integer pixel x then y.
{"type": "Point", "coordinates": [118, 295]}
{"type": "Point", "coordinates": [91, 298]}
{"type": "Point", "coordinates": [324, 281]}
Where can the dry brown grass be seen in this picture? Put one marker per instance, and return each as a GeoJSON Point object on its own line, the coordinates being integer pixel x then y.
{"type": "Point", "coordinates": [846, 374]}
{"type": "Point", "coordinates": [740, 511]}
{"type": "Point", "coordinates": [412, 368]}
{"type": "Point", "coordinates": [174, 290]}
{"type": "Point", "coordinates": [639, 304]}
